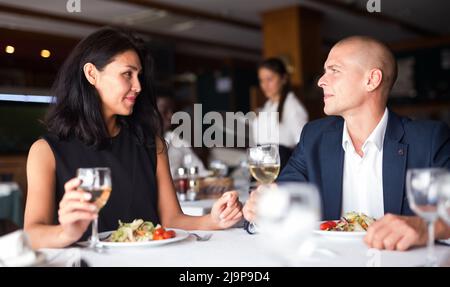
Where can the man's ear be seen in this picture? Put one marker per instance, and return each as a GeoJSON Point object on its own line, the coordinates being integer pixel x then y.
{"type": "Point", "coordinates": [91, 73]}
{"type": "Point", "coordinates": [374, 79]}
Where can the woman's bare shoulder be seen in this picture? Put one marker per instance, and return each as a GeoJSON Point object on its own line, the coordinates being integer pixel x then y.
{"type": "Point", "coordinates": [40, 151]}
{"type": "Point", "coordinates": [41, 145]}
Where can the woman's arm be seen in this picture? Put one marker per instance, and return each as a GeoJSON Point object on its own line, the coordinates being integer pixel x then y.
{"type": "Point", "coordinates": [40, 205]}
{"type": "Point", "coordinates": [225, 212]}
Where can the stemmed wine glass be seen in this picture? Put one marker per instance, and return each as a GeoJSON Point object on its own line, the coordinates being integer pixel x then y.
{"type": "Point", "coordinates": [422, 187]}
{"type": "Point", "coordinates": [264, 163]}
{"type": "Point", "coordinates": [287, 215]}
{"type": "Point", "coordinates": [444, 198]}
{"type": "Point", "coordinates": [96, 181]}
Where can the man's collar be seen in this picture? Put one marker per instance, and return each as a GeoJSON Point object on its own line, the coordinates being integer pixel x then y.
{"type": "Point", "coordinates": [376, 137]}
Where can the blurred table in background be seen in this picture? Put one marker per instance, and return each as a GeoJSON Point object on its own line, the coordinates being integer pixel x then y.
{"type": "Point", "coordinates": [11, 204]}
{"type": "Point", "coordinates": [212, 189]}
{"type": "Point", "coordinates": [197, 207]}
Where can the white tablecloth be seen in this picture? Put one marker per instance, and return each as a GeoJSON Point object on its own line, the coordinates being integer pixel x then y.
{"type": "Point", "coordinates": [235, 248]}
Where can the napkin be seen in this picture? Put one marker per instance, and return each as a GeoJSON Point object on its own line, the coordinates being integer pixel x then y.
{"type": "Point", "coordinates": [15, 250]}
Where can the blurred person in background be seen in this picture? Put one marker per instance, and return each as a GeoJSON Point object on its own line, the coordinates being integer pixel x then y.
{"type": "Point", "coordinates": [285, 129]}
{"type": "Point", "coordinates": [179, 151]}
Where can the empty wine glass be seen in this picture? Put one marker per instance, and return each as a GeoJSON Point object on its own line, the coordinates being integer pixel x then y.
{"type": "Point", "coordinates": [287, 215]}
{"type": "Point", "coordinates": [96, 181]}
{"type": "Point", "coordinates": [422, 191]}
{"type": "Point", "coordinates": [444, 198]}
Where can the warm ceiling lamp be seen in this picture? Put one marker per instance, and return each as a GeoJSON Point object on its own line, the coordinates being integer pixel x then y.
{"type": "Point", "coordinates": [45, 53]}
{"type": "Point", "coordinates": [9, 49]}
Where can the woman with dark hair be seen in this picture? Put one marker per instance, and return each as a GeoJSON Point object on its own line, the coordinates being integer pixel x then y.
{"type": "Point", "coordinates": [105, 115]}
{"type": "Point", "coordinates": [285, 129]}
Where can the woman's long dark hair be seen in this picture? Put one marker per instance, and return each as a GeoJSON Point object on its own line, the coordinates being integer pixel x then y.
{"type": "Point", "coordinates": [277, 66]}
{"type": "Point", "coordinates": [78, 112]}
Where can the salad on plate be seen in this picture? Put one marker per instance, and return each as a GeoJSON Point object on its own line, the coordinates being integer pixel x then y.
{"type": "Point", "coordinates": [140, 231]}
{"type": "Point", "coordinates": [350, 222]}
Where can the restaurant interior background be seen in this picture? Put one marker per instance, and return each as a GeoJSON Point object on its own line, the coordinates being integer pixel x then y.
{"type": "Point", "coordinates": [207, 51]}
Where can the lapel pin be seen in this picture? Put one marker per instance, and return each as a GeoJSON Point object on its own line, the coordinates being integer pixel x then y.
{"type": "Point", "coordinates": [400, 152]}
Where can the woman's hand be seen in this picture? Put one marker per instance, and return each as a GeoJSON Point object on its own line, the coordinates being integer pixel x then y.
{"type": "Point", "coordinates": [227, 210]}
{"type": "Point", "coordinates": [75, 212]}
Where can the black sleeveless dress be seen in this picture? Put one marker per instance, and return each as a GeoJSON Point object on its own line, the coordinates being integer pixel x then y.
{"type": "Point", "coordinates": [133, 171]}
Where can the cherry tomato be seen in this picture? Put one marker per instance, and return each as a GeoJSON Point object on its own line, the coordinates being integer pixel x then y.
{"type": "Point", "coordinates": [159, 231]}
{"type": "Point", "coordinates": [158, 237]}
{"type": "Point", "coordinates": [327, 225]}
{"type": "Point", "coordinates": [169, 234]}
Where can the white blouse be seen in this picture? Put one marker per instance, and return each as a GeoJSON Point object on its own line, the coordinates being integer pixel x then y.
{"type": "Point", "coordinates": [267, 129]}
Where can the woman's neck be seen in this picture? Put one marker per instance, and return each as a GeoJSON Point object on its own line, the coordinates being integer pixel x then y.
{"type": "Point", "coordinates": [275, 99]}
{"type": "Point", "coordinates": [112, 126]}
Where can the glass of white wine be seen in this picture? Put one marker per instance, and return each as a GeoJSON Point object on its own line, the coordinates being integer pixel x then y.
{"type": "Point", "coordinates": [96, 181]}
{"type": "Point", "coordinates": [264, 163]}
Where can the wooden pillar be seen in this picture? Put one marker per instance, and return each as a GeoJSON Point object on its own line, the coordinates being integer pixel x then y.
{"type": "Point", "coordinates": [293, 34]}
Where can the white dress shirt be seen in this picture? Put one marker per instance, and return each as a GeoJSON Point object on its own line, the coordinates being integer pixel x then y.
{"type": "Point", "coordinates": [363, 176]}
{"type": "Point", "coordinates": [267, 129]}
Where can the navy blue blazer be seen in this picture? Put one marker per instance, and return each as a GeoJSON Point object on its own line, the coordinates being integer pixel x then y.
{"type": "Point", "coordinates": [319, 158]}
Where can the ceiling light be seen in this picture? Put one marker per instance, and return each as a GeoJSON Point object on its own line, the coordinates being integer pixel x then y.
{"type": "Point", "coordinates": [45, 53]}
{"type": "Point", "coordinates": [9, 49]}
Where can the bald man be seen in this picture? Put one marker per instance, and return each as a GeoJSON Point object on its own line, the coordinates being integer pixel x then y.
{"type": "Point", "coordinates": [358, 155]}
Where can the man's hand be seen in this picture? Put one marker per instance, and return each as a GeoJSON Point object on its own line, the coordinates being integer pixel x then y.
{"type": "Point", "coordinates": [395, 232]}
{"type": "Point", "coordinates": [249, 209]}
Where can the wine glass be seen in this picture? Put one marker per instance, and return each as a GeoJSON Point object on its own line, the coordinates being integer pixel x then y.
{"type": "Point", "coordinates": [287, 215]}
{"type": "Point", "coordinates": [96, 181]}
{"type": "Point", "coordinates": [444, 198]}
{"type": "Point", "coordinates": [264, 163]}
{"type": "Point", "coordinates": [422, 191]}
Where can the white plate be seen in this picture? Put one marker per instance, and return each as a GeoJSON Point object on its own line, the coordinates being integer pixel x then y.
{"type": "Point", "coordinates": [339, 234]}
{"type": "Point", "coordinates": [180, 235]}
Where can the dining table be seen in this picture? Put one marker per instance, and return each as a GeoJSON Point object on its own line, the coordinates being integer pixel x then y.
{"type": "Point", "coordinates": [236, 248]}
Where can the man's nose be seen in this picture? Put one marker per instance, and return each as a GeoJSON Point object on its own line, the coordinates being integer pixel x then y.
{"type": "Point", "coordinates": [321, 81]}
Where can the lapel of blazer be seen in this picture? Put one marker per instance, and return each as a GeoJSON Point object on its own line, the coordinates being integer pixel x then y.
{"type": "Point", "coordinates": [332, 163]}
{"type": "Point", "coordinates": [394, 165]}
